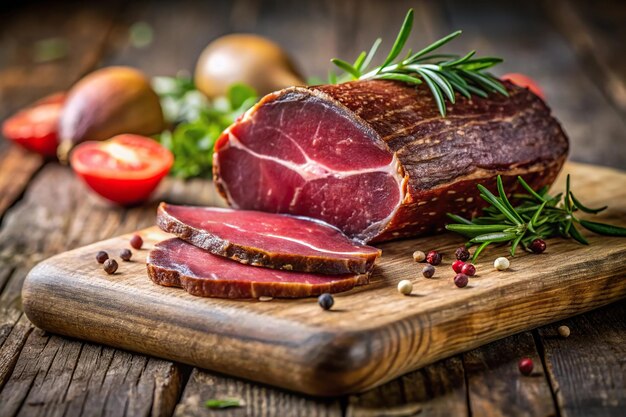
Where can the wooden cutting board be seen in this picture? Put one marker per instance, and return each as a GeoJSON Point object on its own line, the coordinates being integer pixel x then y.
{"type": "Point", "coordinates": [372, 335]}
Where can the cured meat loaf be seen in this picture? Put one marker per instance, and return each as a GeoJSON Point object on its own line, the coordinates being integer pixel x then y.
{"type": "Point", "coordinates": [176, 263]}
{"type": "Point", "coordinates": [266, 239]}
{"type": "Point", "coordinates": [376, 159]}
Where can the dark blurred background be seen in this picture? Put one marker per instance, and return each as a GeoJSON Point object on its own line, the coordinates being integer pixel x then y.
{"type": "Point", "coordinates": [573, 49]}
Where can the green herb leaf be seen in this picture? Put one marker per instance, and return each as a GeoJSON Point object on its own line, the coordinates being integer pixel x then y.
{"type": "Point", "coordinates": [603, 228]}
{"type": "Point", "coordinates": [346, 67]}
{"type": "Point", "coordinates": [574, 233]}
{"type": "Point", "coordinates": [458, 219]}
{"type": "Point", "coordinates": [223, 403]}
{"type": "Point", "coordinates": [401, 39]}
{"type": "Point", "coordinates": [581, 207]}
{"type": "Point", "coordinates": [537, 215]}
{"type": "Point", "coordinates": [444, 74]}
{"type": "Point", "coordinates": [494, 237]}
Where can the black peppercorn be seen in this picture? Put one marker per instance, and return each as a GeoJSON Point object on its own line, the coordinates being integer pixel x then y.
{"type": "Point", "coordinates": [462, 254]}
{"type": "Point", "coordinates": [102, 256]}
{"type": "Point", "coordinates": [110, 266]}
{"type": "Point", "coordinates": [428, 271]}
{"type": "Point", "coordinates": [326, 301]}
{"type": "Point", "coordinates": [126, 254]}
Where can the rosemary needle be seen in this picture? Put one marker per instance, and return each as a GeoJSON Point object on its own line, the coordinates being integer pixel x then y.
{"type": "Point", "coordinates": [538, 215]}
{"type": "Point", "coordinates": [444, 74]}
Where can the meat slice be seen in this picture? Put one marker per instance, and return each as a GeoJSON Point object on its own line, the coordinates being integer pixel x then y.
{"type": "Point", "coordinates": [266, 239]}
{"type": "Point", "coordinates": [176, 263]}
{"type": "Point", "coordinates": [376, 159]}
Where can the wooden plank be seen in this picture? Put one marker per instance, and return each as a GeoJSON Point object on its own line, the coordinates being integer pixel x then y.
{"type": "Point", "coordinates": [496, 386]}
{"type": "Point", "coordinates": [291, 343]}
{"type": "Point", "coordinates": [437, 390]}
{"type": "Point", "coordinates": [520, 33]}
{"type": "Point", "coordinates": [59, 213]}
{"type": "Point", "coordinates": [54, 376]}
{"type": "Point", "coordinates": [255, 399]}
{"type": "Point", "coordinates": [587, 368]}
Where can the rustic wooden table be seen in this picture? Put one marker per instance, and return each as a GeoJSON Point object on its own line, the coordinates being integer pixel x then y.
{"type": "Point", "coordinates": [571, 48]}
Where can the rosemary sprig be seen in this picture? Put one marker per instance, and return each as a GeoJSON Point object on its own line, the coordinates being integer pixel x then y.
{"type": "Point", "coordinates": [538, 215]}
{"type": "Point", "coordinates": [444, 74]}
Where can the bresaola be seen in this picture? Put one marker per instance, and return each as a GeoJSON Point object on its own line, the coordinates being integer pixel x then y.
{"type": "Point", "coordinates": [269, 240]}
{"type": "Point", "coordinates": [242, 254]}
{"type": "Point", "coordinates": [175, 263]}
{"type": "Point", "coordinates": [376, 159]}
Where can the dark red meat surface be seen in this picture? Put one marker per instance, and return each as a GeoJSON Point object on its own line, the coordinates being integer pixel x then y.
{"type": "Point", "coordinates": [176, 263]}
{"type": "Point", "coordinates": [266, 239]}
{"type": "Point", "coordinates": [376, 159]}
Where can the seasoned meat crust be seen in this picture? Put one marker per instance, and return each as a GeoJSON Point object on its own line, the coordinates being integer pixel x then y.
{"type": "Point", "coordinates": [433, 166]}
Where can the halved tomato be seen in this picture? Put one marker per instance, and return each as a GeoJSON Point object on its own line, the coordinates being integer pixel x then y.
{"type": "Point", "coordinates": [524, 81]}
{"type": "Point", "coordinates": [124, 169]}
{"type": "Point", "coordinates": [35, 127]}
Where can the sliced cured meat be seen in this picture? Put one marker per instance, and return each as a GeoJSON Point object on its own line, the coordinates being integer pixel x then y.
{"type": "Point", "coordinates": [176, 263]}
{"type": "Point", "coordinates": [266, 239]}
{"type": "Point", "coordinates": [376, 159]}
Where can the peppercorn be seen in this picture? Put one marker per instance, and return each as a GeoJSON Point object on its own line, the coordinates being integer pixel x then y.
{"type": "Point", "coordinates": [433, 257]}
{"type": "Point", "coordinates": [457, 265]}
{"type": "Point", "coordinates": [461, 280]}
{"type": "Point", "coordinates": [326, 301]}
{"type": "Point", "coordinates": [419, 256]}
{"type": "Point", "coordinates": [564, 331]}
{"type": "Point", "coordinates": [428, 271]}
{"type": "Point", "coordinates": [405, 287]}
{"type": "Point", "coordinates": [525, 366]}
{"type": "Point", "coordinates": [126, 254]}
{"type": "Point", "coordinates": [110, 266]}
{"type": "Point", "coordinates": [136, 242]}
{"type": "Point", "coordinates": [469, 270]}
{"type": "Point", "coordinates": [537, 246]}
{"type": "Point", "coordinates": [462, 254]}
{"type": "Point", "coordinates": [102, 256]}
{"type": "Point", "coordinates": [501, 264]}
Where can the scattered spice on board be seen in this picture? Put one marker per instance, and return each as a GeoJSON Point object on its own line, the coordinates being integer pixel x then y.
{"type": "Point", "coordinates": [419, 256]}
{"type": "Point", "coordinates": [326, 301]}
{"type": "Point", "coordinates": [110, 266]}
{"type": "Point", "coordinates": [102, 256]}
{"type": "Point", "coordinates": [405, 287]}
{"type": "Point", "coordinates": [136, 242]}
{"type": "Point", "coordinates": [126, 254]}
{"type": "Point", "coordinates": [428, 271]}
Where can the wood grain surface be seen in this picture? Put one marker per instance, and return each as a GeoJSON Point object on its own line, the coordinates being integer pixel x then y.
{"type": "Point", "coordinates": [373, 335]}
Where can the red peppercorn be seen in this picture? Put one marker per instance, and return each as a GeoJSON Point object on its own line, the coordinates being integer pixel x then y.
{"type": "Point", "coordinates": [461, 280]}
{"type": "Point", "coordinates": [462, 254]}
{"type": "Point", "coordinates": [433, 257]}
{"type": "Point", "coordinates": [526, 366]}
{"type": "Point", "coordinates": [457, 265]}
{"type": "Point", "coordinates": [537, 246]}
{"type": "Point", "coordinates": [136, 242]}
{"type": "Point", "coordinates": [469, 270]}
